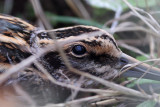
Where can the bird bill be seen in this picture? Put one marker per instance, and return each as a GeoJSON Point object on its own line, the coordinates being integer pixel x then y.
{"type": "Point", "coordinates": [138, 69]}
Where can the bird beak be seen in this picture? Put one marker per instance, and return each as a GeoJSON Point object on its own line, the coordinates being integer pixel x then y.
{"type": "Point", "coordinates": [131, 67]}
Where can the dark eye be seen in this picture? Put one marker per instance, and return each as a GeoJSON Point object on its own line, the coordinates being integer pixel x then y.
{"type": "Point", "coordinates": [79, 50]}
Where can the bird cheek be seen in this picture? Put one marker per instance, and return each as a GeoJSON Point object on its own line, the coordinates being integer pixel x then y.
{"type": "Point", "coordinates": [103, 69]}
{"type": "Point", "coordinates": [111, 74]}
{"type": "Point", "coordinates": [76, 63]}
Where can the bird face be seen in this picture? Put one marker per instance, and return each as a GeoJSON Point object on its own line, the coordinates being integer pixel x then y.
{"type": "Point", "coordinates": [89, 49]}
{"type": "Point", "coordinates": [98, 55]}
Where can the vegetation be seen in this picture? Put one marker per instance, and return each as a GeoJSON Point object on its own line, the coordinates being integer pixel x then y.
{"type": "Point", "coordinates": [134, 24]}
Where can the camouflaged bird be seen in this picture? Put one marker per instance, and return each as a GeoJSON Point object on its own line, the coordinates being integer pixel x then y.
{"type": "Point", "coordinates": [98, 55]}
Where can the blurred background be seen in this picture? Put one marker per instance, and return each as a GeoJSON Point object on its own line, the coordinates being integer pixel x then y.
{"type": "Point", "coordinates": [133, 23]}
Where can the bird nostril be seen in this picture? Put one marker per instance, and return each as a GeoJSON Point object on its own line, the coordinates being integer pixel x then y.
{"type": "Point", "coordinates": [123, 61]}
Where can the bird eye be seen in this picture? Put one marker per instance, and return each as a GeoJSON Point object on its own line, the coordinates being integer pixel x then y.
{"type": "Point", "coordinates": [79, 50]}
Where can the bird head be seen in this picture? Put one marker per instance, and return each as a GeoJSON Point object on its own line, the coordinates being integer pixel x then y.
{"type": "Point", "coordinates": [95, 51]}
{"type": "Point", "coordinates": [97, 54]}
{"type": "Point", "coordinates": [88, 49]}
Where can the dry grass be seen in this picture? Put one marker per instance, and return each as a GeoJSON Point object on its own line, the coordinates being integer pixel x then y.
{"type": "Point", "coordinates": [103, 96]}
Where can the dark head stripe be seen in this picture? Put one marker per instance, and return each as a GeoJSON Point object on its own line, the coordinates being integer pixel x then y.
{"type": "Point", "coordinates": [73, 31]}
{"type": "Point", "coordinates": [99, 43]}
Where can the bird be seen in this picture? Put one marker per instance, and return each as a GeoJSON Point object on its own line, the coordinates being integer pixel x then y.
{"type": "Point", "coordinates": [97, 54]}
{"type": "Point", "coordinates": [19, 41]}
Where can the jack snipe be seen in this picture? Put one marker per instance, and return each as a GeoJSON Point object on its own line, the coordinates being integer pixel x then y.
{"type": "Point", "coordinates": [98, 55]}
{"type": "Point", "coordinates": [88, 49]}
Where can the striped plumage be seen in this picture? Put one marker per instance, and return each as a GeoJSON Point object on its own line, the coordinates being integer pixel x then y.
{"type": "Point", "coordinates": [101, 50]}
{"type": "Point", "coordinates": [98, 55]}
{"type": "Point", "coordinates": [17, 40]}
{"type": "Point", "coordinates": [20, 39]}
